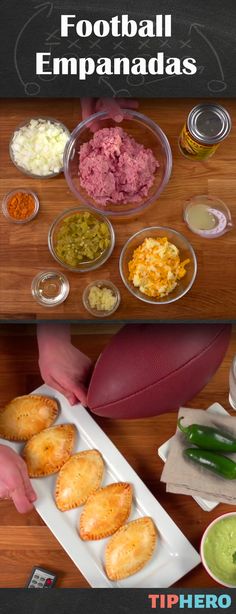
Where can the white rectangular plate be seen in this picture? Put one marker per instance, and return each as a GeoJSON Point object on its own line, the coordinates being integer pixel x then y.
{"type": "Point", "coordinates": [163, 452]}
{"type": "Point", "coordinates": [174, 556]}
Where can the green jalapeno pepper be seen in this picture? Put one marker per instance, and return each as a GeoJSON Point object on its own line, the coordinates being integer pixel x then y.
{"type": "Point", "coordinates": [221, 465]}
{"type": "Point", "coordinates": [208, 438]}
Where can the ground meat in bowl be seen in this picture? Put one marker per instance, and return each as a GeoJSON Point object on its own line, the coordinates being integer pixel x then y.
{"type": "Point", "coordinates": [113, 167]}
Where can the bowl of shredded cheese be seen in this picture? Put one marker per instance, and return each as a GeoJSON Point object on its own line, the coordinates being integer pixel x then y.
{"type": "Point", "coordinates": [158, 265]}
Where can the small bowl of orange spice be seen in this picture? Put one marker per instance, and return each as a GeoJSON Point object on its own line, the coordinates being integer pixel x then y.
{"type": "Point", "coordinates": [20, 206]}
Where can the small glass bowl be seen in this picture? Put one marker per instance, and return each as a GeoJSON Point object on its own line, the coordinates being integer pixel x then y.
{"type": "Point", "coordinates": [50, 288]}
{"type": "Point", "coordinates": [185, 250]}
{"type": "Point", "coordinates": [101, 283]}
{"type": "Point", "coordinates": [219, 211]}
{"type": "Point", "coordinates": [21, 168]}
{"type": "Point", "coordinates": [8, 196]}
{"type": "Point", "coordinates": [86, 266]}
{"type": "Point", "coordinates": [144, 131]}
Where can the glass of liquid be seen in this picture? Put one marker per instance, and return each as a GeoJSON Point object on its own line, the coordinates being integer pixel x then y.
{"type": "Point", "coordinates": [232, 384]}
{"type": "Point", "coordinates": [207, 216]}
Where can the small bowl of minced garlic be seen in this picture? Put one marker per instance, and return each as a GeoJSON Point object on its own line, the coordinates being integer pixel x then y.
{"type": "Point", "coordinates": [101, 298]}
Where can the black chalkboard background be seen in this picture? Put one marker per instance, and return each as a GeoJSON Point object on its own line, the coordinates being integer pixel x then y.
{"type": "Point", "coordinates": [97, 601]}
{"type": "Point", "coordinates": [203, 29]}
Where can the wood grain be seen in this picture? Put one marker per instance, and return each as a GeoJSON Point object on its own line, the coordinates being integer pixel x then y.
{"type": "Point", "coordinates": [24, 540]}
{"type": "Point", "coordinates": [24, 250]}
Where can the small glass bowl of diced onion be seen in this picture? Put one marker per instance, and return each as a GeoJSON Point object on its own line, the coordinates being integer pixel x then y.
{"type": "Point", "coordinates": [37, 147]}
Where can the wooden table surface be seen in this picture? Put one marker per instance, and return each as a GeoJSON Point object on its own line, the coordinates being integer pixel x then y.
{"type": "Point", "coordinates": [24, 540]}
{"type": "Point", "coordinates": [24, 250]}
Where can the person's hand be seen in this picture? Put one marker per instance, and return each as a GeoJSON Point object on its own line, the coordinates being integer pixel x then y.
{"type": "Point", "coordinates": [62, 366]}
{"type": "Point", "coordinates": [14, 480]}
{"type": "Point", "coordinates": [113, 106]}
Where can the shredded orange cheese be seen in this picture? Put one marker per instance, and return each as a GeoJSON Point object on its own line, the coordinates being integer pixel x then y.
{"type": "Point", "coordinates": [155, 267]}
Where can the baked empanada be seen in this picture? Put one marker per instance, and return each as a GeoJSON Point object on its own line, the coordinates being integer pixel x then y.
{"type": "Point", "coordinates": [80, 477]}
{"type": "Point", "coordinates": [25, 416]}
{"type": "Point", "coordinates": [105, 511]}
{"type": "Point", "coordinates": [46, 452]}
{"type": "Point", "coordinates": [130, 548]}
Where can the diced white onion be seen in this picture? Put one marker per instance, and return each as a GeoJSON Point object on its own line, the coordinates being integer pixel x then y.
{"type": "Point", "coordinates": [39, 146]}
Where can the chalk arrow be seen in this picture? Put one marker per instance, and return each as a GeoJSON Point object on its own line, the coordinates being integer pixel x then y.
{"type": "Point", "coordinates": [196, 26]}
{"type": "Point", "coordinates": [118, 93]}
{"type": "Point", "coordinates": [200, 69]}
{"type": "Point", "coordinates": [46, 6]}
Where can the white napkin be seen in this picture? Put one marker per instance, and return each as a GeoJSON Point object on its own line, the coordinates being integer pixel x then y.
{"type": "Point", "coordinates": [185, 477]}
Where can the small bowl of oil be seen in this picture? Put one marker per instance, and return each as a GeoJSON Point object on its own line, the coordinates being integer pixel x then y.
{"type": "Point", "coordinates": [207, 216]}
{"type": "Point", "coordinates": [50, 288]}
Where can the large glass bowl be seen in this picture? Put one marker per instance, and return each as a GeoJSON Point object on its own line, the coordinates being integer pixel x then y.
{"type": "Point", "coordinates": [144, 131]}
{"type": "Point", "coordinates": [85, 266]}
{"type": "Point", "coordinates": [185, 250]}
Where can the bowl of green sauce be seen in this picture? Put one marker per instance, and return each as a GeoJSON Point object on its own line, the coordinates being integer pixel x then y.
{"type": "Point", "coordinates": [81, 240]}
{"type": "Point", "coordinates": [218, 550]}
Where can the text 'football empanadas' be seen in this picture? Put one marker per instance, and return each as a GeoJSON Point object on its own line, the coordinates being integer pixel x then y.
{"type": "Point", "coordinates": [130, 548]}
{"type": "Point", "coordinates": [105, 511]}
{"type": "Point", "coordinates": [27, 415]}
{"type": "Point", "coordinates": [80, 477]}
{"type": "Point", "coordinates": [46, 452]}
